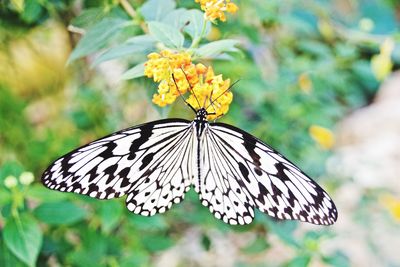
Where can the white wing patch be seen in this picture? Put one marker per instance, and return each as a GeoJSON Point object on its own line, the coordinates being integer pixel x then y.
{"type": "Point", "coordinates": [266, 179]}
{"type": "Point", "coordinates": [151, 163]}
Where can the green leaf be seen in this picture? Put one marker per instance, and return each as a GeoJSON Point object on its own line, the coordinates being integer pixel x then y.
{"type": "Point", "coordinates": [135, 72]}
{"type": "Point", "coordinates": [174, 18]}
{"type": "Point", "coordinates": [32, 11]}
{"type": "Point", "coordinates": [337, 259]}
{"type": "Point", "coordinates": [110, 214]}
{"type": "Point", "coordinates": [257, 246]}
{"type": "Point", "coordinates": [88, 17]}
{"type": "Point", "coordinates": [168, 35]}
{"type": "Point", "coordinates": [190, 21]}
{"type": "Point", "coordinates": [283, 229]}
{"type": "Point", "coordinates": [136, 259]}
{"type": "Point", "coordinates": [153, 223]}
{"type": "Point", "coordinates": [7, 258]}
{"type": "Point", "coordinates": [144, 39]}
{"type": "Point", "coordinates": [43, 194]}
{"type": "Point", "coordinates": [155, 10]}
{"type": "Point", "coordinates": [5, 197]}
{"type": "Point", "coordinates": [214, 49]}
{"type": "Point", "coordinates": [97, 37]}
{"type": "Point", "coordinates": [24, 238]}
{"type": "Point", "coordinates": [157, 243]}
{"type": "Point", "coordinates": [59, 213]}
{"type": "Point", "coordinates": [10, 168]}
{"type": "Point", "coordinates": [93, 246]}
{"type": "Point", "coordinates": [299, 261]}
{"type": "Point", "coordinates": [315, 48]}
{"type": "Point", "coordinates": [138, 44]}
{"type": "Point", "coordinates": [195, 20]}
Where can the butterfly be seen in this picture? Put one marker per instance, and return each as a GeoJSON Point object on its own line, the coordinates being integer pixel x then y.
{"type": "Point", "coordinates": [156, 163]}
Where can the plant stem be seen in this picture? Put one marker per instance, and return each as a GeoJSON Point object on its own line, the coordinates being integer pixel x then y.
{"type": "Point", "coordinates": [128, 8]}
{"type": "Point", "coordinates": [196, 41]}
{"type": "Point", "coordinates": [134, 15]}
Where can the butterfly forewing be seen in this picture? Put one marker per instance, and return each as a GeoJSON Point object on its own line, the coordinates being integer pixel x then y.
{"type": "Point", "coordinates": [152, 163]}
{"type": "Point", "coordinates": [275, 185]}
{"type": "Point", "coordinates": [167, 175]}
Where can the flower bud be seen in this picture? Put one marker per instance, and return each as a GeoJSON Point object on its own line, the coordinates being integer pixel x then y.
{"type": "Point", "coordinates": [26, 178]}
{"type": "Point", "coordinates": [10, 181]}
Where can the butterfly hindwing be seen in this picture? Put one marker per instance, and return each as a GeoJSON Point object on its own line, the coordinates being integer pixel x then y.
{"type": "Point", "coordinates": [151, 163]}
{"type": "Point", "coordinates": [219, 186]}
{"type": "Point", "coordinates": [267, 179]}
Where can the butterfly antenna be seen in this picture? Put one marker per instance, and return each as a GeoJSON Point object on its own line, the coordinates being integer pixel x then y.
{"type": "Point", "coordinates": [190, 87]}
{"type": "Point", "coordinates": [211, 102]}
{"type": "Point", "coordinates": [227, 90]}
{"type": "Point", "coordinates": [176, 85]}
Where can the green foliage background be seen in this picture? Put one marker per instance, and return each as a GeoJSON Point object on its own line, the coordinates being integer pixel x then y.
{"type": "Point", "coordinates": [48, 108]}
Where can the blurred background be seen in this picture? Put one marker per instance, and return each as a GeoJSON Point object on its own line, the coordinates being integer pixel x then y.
{"type": "Point", "coordinates": [319, 81]}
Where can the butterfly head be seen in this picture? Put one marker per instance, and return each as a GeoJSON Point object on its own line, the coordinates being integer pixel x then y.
{"type": "Point", "coordinates": [201, 114]}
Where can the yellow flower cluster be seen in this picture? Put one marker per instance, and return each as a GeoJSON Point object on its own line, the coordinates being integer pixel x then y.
{"type": "Point", "coordinates": [162, 67]}
{"type": "Point", "coordinates": [215, 9]}
{"type": "Point", "coordinates": [212, 93]}
{"type": "Point", "coordinates": [205, 88]}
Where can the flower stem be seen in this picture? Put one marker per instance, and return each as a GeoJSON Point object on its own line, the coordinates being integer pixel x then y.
{"type": "Point", "coordinates": [133, 14]}
{"type": "Point", "coordinates": [128, 8]}
{"type": "Point", "coordinates": [196, 41]}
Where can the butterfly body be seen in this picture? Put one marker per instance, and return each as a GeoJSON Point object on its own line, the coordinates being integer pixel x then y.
{"type": "Point", "coordinates": [154, 164]}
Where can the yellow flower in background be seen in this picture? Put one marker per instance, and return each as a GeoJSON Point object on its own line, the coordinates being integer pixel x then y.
{"type": "Point", "coordinates": [305, 83]}
{"type": "Point", "coordinates": [205, 88]}
{"type": "Point", "coordinates": [215, 9]}
{"type": "Point", "coordinates": [326, 29]}
{"type": "Point", "coordinates": [322, 136]}
{"type": "Point", "coordinates": [392, 204]}
{"type": "Point", "coordinates": [382, 64]}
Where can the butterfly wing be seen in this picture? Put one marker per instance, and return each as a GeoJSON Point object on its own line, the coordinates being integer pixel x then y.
{"type": "Point", "coordinates": [151, 163]}
{"type": "Point", "coordinates": [219, 187]}
{"type": "Point", "coordinates": [247, 173]}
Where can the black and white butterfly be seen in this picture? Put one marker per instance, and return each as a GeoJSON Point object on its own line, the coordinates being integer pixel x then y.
{"type": "Point", "coordinates": [155, 163]}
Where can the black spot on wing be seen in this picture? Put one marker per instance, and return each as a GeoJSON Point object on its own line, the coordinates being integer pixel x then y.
{"type": "Point", "coordinates": [108, 153]}
{"type": "Point", "coordinates": [110, 170]}
{"type": "Point", "coordinates": [92, 174]}
{"type": "Point", "coordinates": [145, 134]}
{"type": "Point", "coordinates": [124, 172]}
{"type": "Point", "coordinates": [146, 160]}
{"type": "Point", "coordinates": [288, 211]}
{"type": "Point", "coordinates": [93, 188]}
{"type": "Point", "coordinates": [244, 171]}
{"type": "Point", "coordinates": [250, 144]}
